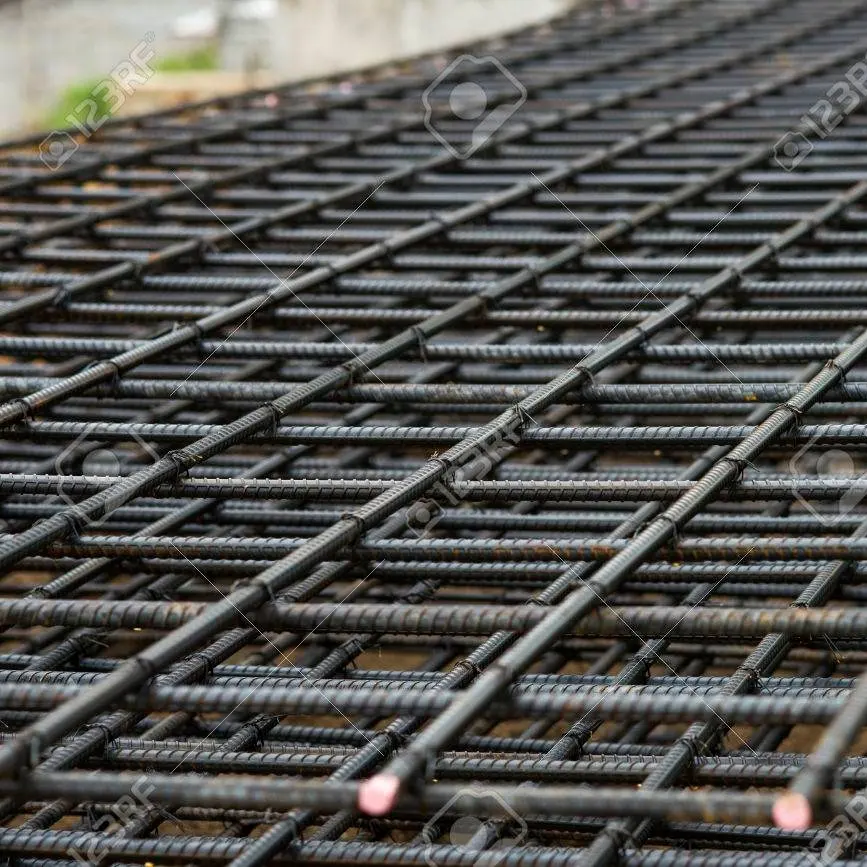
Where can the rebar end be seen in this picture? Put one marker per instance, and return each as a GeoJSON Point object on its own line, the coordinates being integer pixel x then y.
{"type": "Point", "coordinates": [792, 812]}
{"type": "Point", "coordinates": [377, 796]}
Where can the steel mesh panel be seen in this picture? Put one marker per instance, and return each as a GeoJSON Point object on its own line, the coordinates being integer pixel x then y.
{"type": "Point", "coordinates": [377, 490]}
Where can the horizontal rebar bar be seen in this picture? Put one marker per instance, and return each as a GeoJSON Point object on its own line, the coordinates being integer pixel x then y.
{"type": "Point", "coordinates": [377, 487]}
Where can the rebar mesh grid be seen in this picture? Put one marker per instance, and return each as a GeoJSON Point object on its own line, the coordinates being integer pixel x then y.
{"type": "Point", "coordinates": [384, 488]}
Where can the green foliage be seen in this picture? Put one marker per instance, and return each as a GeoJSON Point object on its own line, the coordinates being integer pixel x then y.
{"type": "Point", "coordinates": [201, 59]}
{"type": "Point", "coordinates": [73, 97]}
{"type": "Point", "coordinates": [198, 60]}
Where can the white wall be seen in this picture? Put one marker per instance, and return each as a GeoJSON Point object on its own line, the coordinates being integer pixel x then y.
{"type": "Point", "coordinates": [48, 45]}
{"type": "Point", "coordinates": [321, 37]}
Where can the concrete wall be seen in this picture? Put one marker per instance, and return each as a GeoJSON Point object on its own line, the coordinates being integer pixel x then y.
{"type": "Point", "coordinates": [321, 37]}
{"type": "Point", "coordinates": [13, 65]}
{"type": "Point", "coordinates": [48, 45]}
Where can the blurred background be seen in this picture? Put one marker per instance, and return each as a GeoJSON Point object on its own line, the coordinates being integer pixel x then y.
{"type": "Point", "coordinates": [55, 53]}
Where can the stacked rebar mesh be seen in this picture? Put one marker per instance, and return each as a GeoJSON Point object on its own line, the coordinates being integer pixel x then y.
{"type": "Point", "coordinates": [460, 465]}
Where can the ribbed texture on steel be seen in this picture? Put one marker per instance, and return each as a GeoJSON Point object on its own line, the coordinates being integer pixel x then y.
{"type": "Point", "coordinates": [383, 487]}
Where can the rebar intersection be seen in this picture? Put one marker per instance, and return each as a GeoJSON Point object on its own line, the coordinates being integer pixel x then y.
{"type": "Point", "coordinates": [356, 487]}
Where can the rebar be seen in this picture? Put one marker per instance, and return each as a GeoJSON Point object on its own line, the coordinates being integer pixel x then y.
{"type": "Point", "coordinates": [378, 487]}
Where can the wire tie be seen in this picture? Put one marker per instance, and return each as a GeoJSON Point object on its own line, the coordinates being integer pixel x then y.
{"type": "Point", "coordinates": [639, 327]}
{"type": "Point", "coordinates": [641, 525]}
{"type": "Point", "coordinates": [797, 415]}
{"type": "Point", "coordinates": [738, 276]}
{"type": "Point", "coordinates": [421, 340]}
{"type": "Point", "coordinates": [114, 380]}
{"type": "Point", "coordinates": [645, 658]}
{"type": "Point", "coordinates": [352, 370]}
{"type": "Point", "coordinates": [586, 375]}
{"type": "Point", "coordinates": [538, 603]}
{"type": "Point", "coordinates": [738, 464]}
{"type": "Point", "coordinates": [753, 672]}
{"type": "Point", "coordinates": [206, 245]}
{"type": "Point", "coordinates": [692, 745]}
{"type": "Point", "coordinates": [523, 417]}
{"type": "Point", "coordinates": [209, 665]}
{"type": "Point", "coordinates": [199, 338]}
{"type": "Point", "coordinates": [73, 521]}
{"type": "Point", "coordinates": [274, 422]}
{"type": "Point", "coordinates": [62, 295]}
{"type": "Point", "coordinates": [237, 584]}
{"type": "Point", "coordinates": [833, 364]}
{"type": "Point", "coordinates": [534, 287]}
{"type": "Point", "coordinates": [162, 811]}
{"type": "Point", "coordinates": [332, 269]}
{"type": "Point", "coordinates": [27, 414]}
{"type": "Point", "coordinates": [91, 641]}
{"type": "Point", "coordinates": [180, 465]}
{"type": "Point", "coordinates": [395, 739]}
{"type": "Point", "coordinates": [355, 519]}
{"type": "Point", "coordinates": [107, 734]}
{"type": "Point", "coordinates": [89, 817]}
{"type": "Point", "coordinates": [593, 585]}
{"type": "Point", "coordinates": [139, 266]}
{"type": "Point", "coordinates": [772, 262]}
{"type": "Point", "coordinates": [618, 835]}
{"type": "Point", "coordinates": [269, 590]}
{"type": "Point", "coordinates": [675, 536]}
{"type": "Point", "coordinates": [469, 665]}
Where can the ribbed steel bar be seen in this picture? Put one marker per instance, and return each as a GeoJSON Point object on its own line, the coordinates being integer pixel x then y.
{"type": "Point", "coordinates": [289, 287]}
{"type": "Point", "coordinates": [366, 499]}
{"type": "Point", "coordinates": [424, 478]}
{"type": "Point", "coordinates": [238, 231]}
{"type": "Point", "coordinates": [451, 619]}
